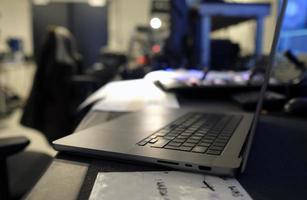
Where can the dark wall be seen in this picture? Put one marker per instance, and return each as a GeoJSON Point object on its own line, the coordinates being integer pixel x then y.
{"type": "Point", "coordinates": [43, 16]}
{"type": "Point", "coordinates": [88, 24]}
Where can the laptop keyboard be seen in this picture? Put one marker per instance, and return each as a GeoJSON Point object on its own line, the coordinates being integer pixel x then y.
{"type": "Point", "coordinates": [195, 132]}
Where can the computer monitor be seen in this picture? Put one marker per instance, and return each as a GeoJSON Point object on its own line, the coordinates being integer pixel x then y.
{"type": "Point", "coordinates": [294, 30]}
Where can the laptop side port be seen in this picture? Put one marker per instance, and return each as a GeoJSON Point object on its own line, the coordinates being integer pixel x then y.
{"type": "Point", "coordinates": [167, 162]}
{"type": "Point", "coordinates": [204, 168]}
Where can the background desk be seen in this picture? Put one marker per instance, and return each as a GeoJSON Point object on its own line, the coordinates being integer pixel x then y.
{"type": "Point", "coordinates": [231, 12]}
{"type": "Point", "coordinates": [276, 168]}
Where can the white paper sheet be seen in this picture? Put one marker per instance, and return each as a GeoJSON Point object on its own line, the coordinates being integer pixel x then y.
{"type": "Point", "coordinates": [99, 95]}
{"type": "Point", "coordinates": [133, 95]}
{"type": "Point", "coordinates": [165, 186]}
{"type": "Point", "coordinates": [136, 94]}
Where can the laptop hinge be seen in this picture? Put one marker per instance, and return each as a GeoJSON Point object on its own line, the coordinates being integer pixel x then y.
{"type": "Point", "coordinates": [243, 154]}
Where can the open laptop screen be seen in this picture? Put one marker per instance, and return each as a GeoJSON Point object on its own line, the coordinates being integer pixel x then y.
{"type": "Point", "coordinates": [266, 80]}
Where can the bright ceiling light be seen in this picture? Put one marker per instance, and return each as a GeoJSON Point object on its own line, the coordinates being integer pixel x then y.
{"type": "Point", "coordinates": [97, 3]}
{"type": "Point", "coordinates": [155, 23]}
{"type": "Point", "coordinates": [41, 2]}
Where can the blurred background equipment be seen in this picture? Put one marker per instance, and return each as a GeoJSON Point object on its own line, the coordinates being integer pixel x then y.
{"type": "Point", "coordinates": [12, 62]}
{"type": "Point", "coordinates": [297, 106]}
{"type": "Point", "coordinates": [16, 48]}
{"type": "Point", "coordinates": [147, 42]}
{"type": "Point", "coordinates": [189, 43]}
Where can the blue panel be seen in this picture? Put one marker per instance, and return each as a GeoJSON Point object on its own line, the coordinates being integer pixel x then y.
{"type": "Point", "coordinates": [296, 15]}
{"type": "Point", "coordinates": [294, 35]}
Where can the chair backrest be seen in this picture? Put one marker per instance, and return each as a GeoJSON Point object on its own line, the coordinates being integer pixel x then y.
{"type": "Point", "coordinates": [48, 107]}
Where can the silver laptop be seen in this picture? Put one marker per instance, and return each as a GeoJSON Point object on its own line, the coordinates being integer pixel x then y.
{"type": "Point", "coordinates": [213, 143]}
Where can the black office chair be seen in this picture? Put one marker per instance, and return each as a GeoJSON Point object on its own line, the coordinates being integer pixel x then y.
{"type": "Point", "coordinates": [19, 170]}
{"type": "Point", "coordinates": [60, 85]}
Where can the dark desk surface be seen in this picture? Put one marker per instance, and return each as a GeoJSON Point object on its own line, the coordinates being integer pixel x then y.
{"type": "Point", "coordinates": [277, 167]}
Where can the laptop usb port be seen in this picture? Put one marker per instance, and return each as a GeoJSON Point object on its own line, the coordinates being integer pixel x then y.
{"type": "Point", "coordinates": [204, 168]}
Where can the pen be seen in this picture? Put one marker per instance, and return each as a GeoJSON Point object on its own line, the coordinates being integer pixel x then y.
{"type": "Point", "coordinates": [208, 186]}
{"type": "Point", "coordinates": [205, 72]}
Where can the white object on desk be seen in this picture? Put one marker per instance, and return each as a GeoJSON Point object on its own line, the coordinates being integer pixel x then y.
{"type": "Point", "coordinates": [131, 95]}
{"type": "Point", "coordinates": [212, 77]}
{"type": "Point", "coordinates": [165, 186]}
